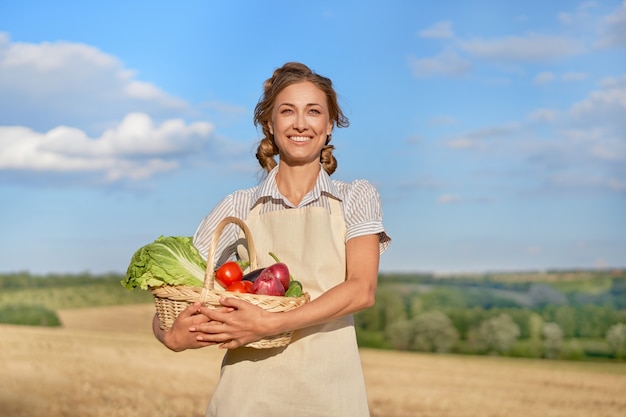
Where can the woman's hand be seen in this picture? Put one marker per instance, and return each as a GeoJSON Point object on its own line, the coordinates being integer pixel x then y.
{"type": "Point", "coordinates": [236, 324]}
{"type": "Point", "coordinates": [181, 336]}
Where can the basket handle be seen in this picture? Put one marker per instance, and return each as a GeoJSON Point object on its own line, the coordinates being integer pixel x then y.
{"type": "Point", "coordinates": [209, 275]}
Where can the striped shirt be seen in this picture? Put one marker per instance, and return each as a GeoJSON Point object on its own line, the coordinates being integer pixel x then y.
{"type": "Point", "coordinates": [361, 204]}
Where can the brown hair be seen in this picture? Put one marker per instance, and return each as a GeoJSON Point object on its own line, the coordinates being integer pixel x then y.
{"type": "Point", "coordinates": [288, 74]}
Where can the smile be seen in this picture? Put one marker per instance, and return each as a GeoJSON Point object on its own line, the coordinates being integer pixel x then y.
{"type": "Point", "coordinates": [300, 138]}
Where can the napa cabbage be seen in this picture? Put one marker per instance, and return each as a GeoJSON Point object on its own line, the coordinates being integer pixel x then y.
{"type": "Point", "coordinates": [169, 260]}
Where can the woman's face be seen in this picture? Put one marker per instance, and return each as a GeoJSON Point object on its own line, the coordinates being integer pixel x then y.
{"type": "Point", "coordinates": [300, 123]}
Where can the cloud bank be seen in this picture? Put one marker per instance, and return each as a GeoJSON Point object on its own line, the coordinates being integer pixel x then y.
{"type": "Point", "coordinates": [71, 108]}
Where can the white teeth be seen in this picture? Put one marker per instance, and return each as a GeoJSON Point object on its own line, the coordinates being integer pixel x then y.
{"type": "Point", "coordinates": [300, 138]}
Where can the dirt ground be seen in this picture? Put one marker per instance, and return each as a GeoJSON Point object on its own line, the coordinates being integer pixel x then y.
{"type": "Point", "coordinates": [105, 362]}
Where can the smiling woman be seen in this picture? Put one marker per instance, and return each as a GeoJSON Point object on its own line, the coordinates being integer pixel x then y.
{"type": "Point", "coordinates": [331, 235]}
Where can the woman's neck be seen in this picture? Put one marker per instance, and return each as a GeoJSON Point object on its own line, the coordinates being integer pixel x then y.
{"type": "Point", "coordinates": [294, 182]}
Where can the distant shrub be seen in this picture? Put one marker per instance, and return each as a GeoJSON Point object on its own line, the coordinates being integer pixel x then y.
{"type": "Point", "coordinates": [434, 332]}
{"type": "Point", "coordinates": [616, 338]}
{"type": "Point", "coordinates": [596, 348]}
{"type": "Point", "coordinates": [400, 334]}
{"type": "Point", "coordinates": [372, 339]}
{"type": "Point", "coordinates": [526, 348]}
{"type": "Point", "coordinates": [28, 315]}
{"type": "Point", "coordinates": [572, 350]}
{"type": "Point", "coordinates": [552, 340]}
{"type": "Point", "coordinates": [498, 334]}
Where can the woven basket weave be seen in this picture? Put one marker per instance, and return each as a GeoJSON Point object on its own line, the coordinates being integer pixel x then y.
{"type": "Point", "coordinates": [170, 300]}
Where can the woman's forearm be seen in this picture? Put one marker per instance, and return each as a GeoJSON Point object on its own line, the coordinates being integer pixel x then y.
{"type": "Point", "coordinates": [356, 293]}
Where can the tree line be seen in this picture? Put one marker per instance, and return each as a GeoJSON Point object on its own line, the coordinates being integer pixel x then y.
{"type": "Point", "coordinates": [574, 315]}
{"type": "Point", "coordinates": [568, 319]}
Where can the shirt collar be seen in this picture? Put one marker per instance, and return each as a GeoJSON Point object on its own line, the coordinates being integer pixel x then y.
{"type": "Point", "coordinates": [323, 185]}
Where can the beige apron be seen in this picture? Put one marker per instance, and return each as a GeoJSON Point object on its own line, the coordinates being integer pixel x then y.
{"type": "Point", "coordinates": [319, 373]}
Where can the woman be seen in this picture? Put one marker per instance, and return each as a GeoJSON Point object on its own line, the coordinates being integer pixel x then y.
{"type": "Point", "coordinates": [328, 232]}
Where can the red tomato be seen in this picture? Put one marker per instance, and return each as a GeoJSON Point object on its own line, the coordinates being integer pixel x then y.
{"type": "Point", "coordinates": [240, 286]}
{"type": "Point", "coordinates": [228, 273]}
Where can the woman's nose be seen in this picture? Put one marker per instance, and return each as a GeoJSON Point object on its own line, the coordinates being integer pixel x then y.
{"type": "Point", "coordinates": [300, 123]}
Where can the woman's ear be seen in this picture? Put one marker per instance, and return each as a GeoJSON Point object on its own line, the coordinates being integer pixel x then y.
{"type": "Point", "coordinates": [270, 127]}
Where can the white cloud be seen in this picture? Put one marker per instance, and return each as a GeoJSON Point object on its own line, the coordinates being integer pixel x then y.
{"type": "Point", "coordinates": [543, 115]}
{"type": "Point", "coordinates": [579, 16]}
{"type": "Point", "coordinates": [71, 111]}
{"type": "Point", "coordinates": [584, 151]}
{"type": "Point", "coordinates": [605, 106]}
{"type": "Point", "coordinates": [544, 77]}
{"type": "Point", "coordinates": [440, 30]}
{"type": "Point", "coordinates": [48, 57]}
{"type": "Point", "coordinates": [449, 199]}
{"type": "Point", "coordinates": [51, 83]}
{"type": "Point", "coordinates": [447, 63]}
{"type": "Point", "coordinates": [483, 138]}
{"type": "Point", "coordinates": [574, 76]}
{"type": "Point", "coordinates": [548, 77]}
{"type": "Point", "coordinates": [134, 149]}
{"type": "Point", "coordinates": [518, 49]}
{"type": "Point", "coordinates": [614, 31]}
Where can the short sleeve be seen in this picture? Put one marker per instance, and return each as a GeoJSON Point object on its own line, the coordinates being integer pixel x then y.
{"type": "Point", "coordinates": [364, 213]}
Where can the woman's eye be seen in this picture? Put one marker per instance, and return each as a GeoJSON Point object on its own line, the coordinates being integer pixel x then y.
{"type": "Point", "coordinates": [314, 111]}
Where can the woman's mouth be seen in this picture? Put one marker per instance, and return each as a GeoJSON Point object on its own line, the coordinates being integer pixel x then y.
{"type": "Point", "coordinates": [299, 138]}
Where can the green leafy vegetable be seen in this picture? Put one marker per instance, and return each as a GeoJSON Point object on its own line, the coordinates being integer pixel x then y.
{"type": "Point", "coordinates": [170, 260]}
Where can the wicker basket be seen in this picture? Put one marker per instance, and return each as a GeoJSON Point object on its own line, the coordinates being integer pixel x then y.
{"type": "Point", "coordinates": [170, 301]}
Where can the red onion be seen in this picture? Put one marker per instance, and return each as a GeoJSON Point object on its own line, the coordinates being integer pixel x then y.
{"type": "Point", "coordinates": [268, 285]}
{"type": "Point", "coordinates": [278, 270]}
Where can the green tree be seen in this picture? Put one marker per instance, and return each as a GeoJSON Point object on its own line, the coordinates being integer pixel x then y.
{"type": "Point", "coordinates": [465, 319]}
{"type": "Point", "coordinates": [416, 306]}
{"type": "Point", "coordinates": [499, 333]}
{"type": "Point", "coordinates": [542, 295]}
{"type": "Point", "coordinates": [392, 305]}
{"type": "Point", "coordinates": [552, 340]}
{"type": "Point", "coordinates": [443, 297]}
{"type": "Point", "coordinates": [369, 319]}
{"type": "Point", "coordinates": [535, 327]}
{"type": "Point", "coordinates": [616, 338]}
{"type": "Point", "coordinates": [434, 332]}
{"type": "Point", "coordinates": [565, 317]}
{"type": "Point", "coordinates": [594, 320]}
{"type": "Point", "coordinates": [388, 308]}
{"type": "Point", "coordinates": [400, 334]}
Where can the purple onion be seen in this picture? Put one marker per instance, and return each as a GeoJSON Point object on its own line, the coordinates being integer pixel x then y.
{"type": "Point", "coordinates": [268, 285]}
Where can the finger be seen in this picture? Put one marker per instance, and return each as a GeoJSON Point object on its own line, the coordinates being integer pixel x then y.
{"type": "Point", "coordinates": [211, 327]}
{"type": "Point", "coordinates": [232, 302]}
{"type": "Point", "coordinates": [219, 314]}
{"type": "Point", "coordinates": [198, 320]}
{"type": "Point", "coordinates": [213, 338]}
{"type": "Point", "coordinates": [201, 344]}
{"type": "Point", "coordinates": [190, 310]}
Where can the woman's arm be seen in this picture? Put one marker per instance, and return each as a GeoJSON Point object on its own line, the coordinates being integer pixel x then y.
{"type": "Point", "coordinates": [178, 337]}
{"type": "Point", "coordinates": [246, 323]}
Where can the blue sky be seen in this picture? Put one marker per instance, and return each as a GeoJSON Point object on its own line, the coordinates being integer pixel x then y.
{"type": "Point", "coordinates": [494, 131]}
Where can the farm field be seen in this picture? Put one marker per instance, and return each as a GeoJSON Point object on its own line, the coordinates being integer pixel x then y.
{"type": "Point", "coordinates": [105, 362]}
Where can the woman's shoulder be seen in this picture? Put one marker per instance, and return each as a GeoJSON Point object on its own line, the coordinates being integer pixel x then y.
{"type": "Point", "coordinates": [244, 192]}
{"type": "Point", "coordinates": [355, 189]}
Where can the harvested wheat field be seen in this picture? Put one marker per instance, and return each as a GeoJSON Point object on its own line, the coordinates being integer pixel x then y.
{"type": "Point", "coordinates": [105, 362]}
